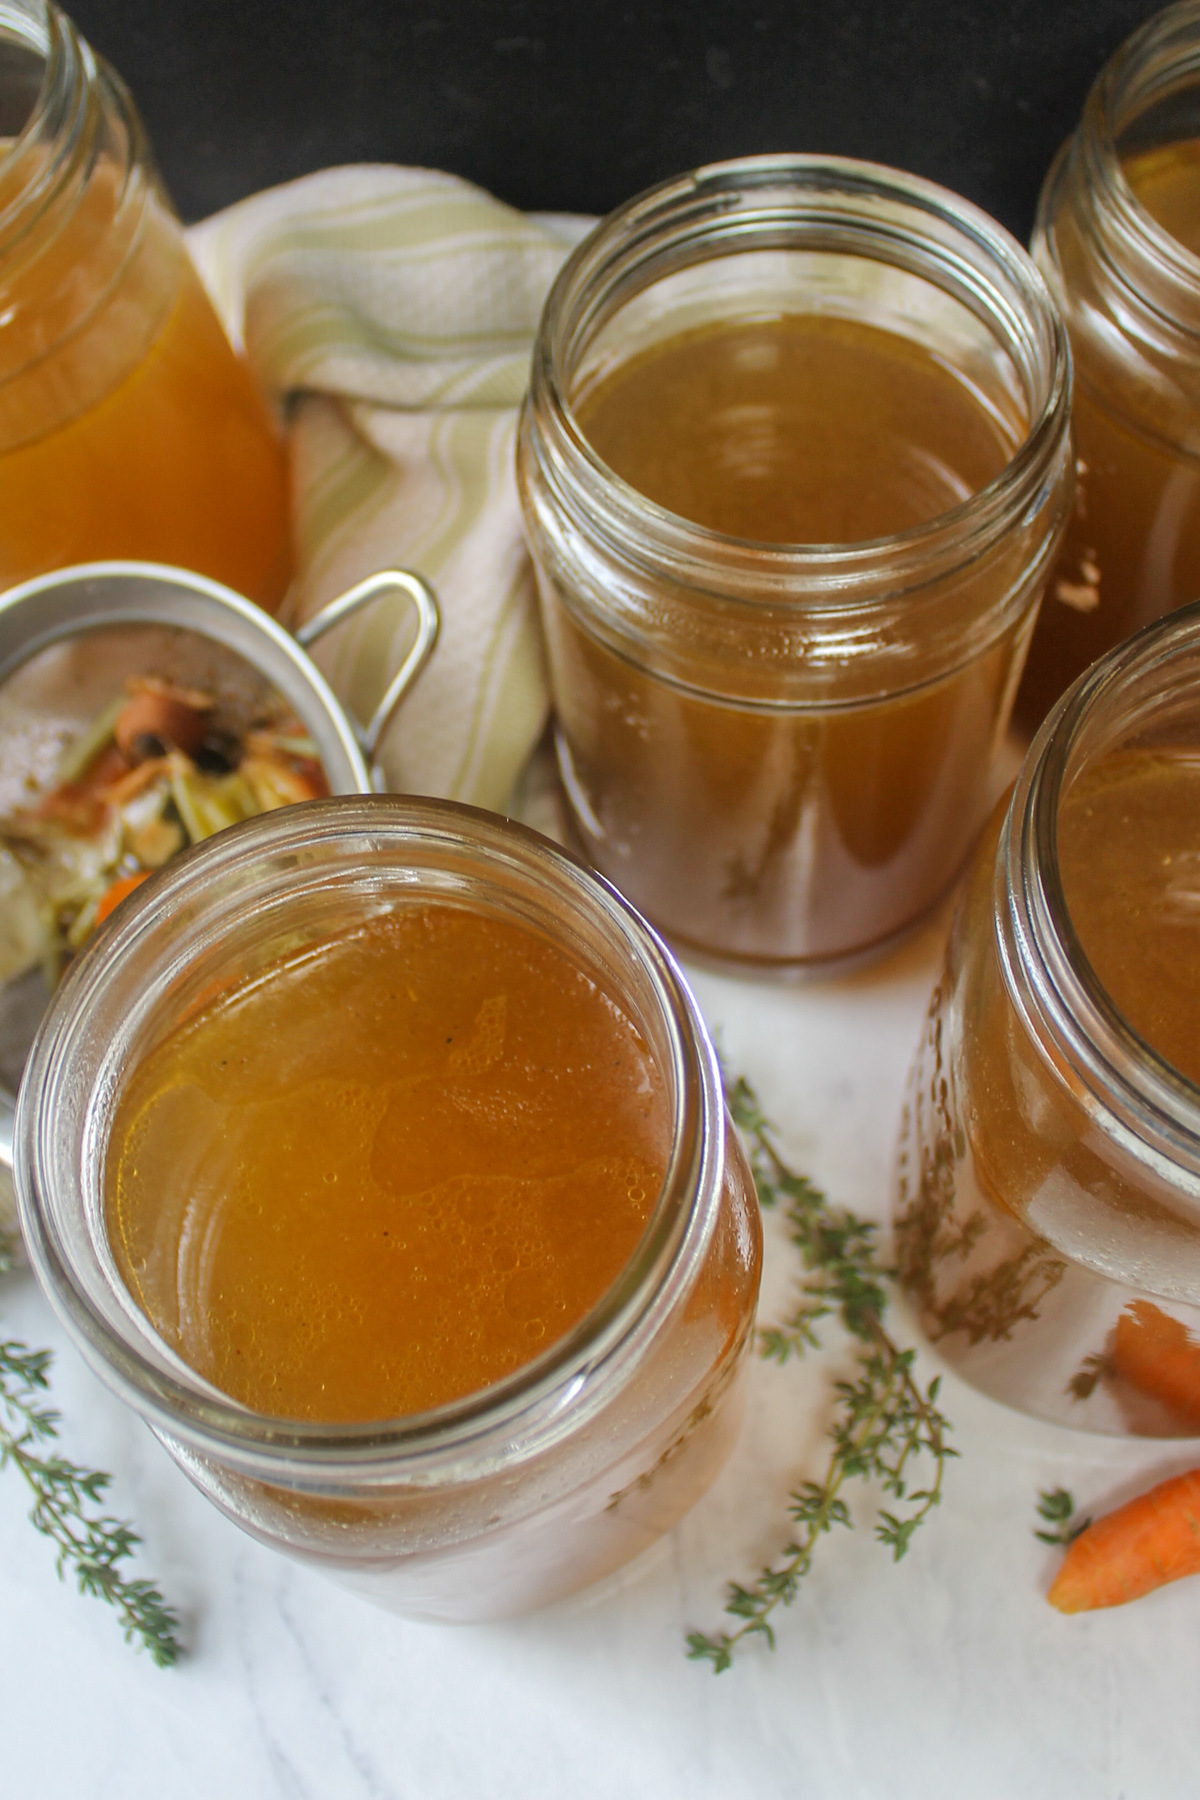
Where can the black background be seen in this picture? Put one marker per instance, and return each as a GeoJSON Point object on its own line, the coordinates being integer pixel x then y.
{"type": "Point", "coordinates": [551, 103]}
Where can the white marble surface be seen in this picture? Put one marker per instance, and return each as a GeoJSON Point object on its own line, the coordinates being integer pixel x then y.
{"type": "Point", "coordinates": [948, 1675]}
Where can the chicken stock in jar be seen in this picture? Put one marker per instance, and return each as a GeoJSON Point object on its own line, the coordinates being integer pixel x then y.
{"type": "Point", "coordinates": [1117, 237]}
{"type": "Point", "coordinates": [1048, 1207]}
{"type": "Point", "coordinates": [794, 462]}
{"type": "Point", "coordinates": [129, 427]}
{"type": "Point", "coordinates": [380, 1160]}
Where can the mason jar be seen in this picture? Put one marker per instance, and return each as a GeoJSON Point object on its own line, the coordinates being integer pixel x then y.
{"type": "Point", "coordinates": [1047, 1223]}
{"type": "Point", "coordinates": [1117, 241]}
{"type": "Point", "coordinates": [129, 428]}
{"type": "Point", "coordinates": [507, 1497]}
{"type": "Point", "coordinates": [782, 751]}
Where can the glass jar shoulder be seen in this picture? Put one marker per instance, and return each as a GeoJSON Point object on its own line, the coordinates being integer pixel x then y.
{"type": "Point", "coordinates": [63, 353]}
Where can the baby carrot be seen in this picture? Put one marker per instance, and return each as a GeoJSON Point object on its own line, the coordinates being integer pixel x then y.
{"type": "Point", "coordinates": [113, 896]}
{"type": "Point", "coordinates": [1159, 1356]}
{"type": "Point", "coordinates": [1149, 1541]}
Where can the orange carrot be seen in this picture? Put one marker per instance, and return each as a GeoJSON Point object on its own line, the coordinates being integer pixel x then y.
{"type": "Point", "coordinates": [1149, 1541]}
{"type": "Point", "coordinates": [113, 896]}
{"type": "Point", "coordinates": [1160, 1357]}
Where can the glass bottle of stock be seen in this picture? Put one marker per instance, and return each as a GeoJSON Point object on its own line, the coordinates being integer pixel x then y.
{"type": "Point", "coordinates": [129, 427]}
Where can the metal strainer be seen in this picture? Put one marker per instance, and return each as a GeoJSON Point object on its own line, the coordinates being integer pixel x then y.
{"type": "Point", "coordinates": [169, 621]}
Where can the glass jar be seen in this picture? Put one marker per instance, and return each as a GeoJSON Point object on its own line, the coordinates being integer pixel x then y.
{"type": "Point", "coordinates": [557, 1473]}
{"type": "Point", "coordinates": [128, 425]}
{"type": "Point", "coordinates": [1048, 1207]}
{"type": "Point", "coordinates": [1129, 291]}
{"type": "Point", "coordinates": [781, 752]}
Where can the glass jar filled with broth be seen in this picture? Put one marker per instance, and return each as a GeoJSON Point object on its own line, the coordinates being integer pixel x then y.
{"type": "Point", "coordinates": [1048, 1213]}
{"type": "Point", "coordinates": [1118, 239]}
{"type": "Point", "coordinates": [129, 428]}
{"type": "Point", "coordinates": [794, 463]}
{"type": "Point", "coordinates": [379, 1158]}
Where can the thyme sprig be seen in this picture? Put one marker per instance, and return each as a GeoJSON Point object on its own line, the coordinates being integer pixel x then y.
{"type": "Point", "coordinates": [67, 1501]}
{"type": "Point", "coordinates": [884, 1424]}
{"type": "Point", "coordinates": [1057, 1509]}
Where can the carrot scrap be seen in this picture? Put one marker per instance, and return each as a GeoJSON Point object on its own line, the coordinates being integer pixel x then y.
{"type": "Point", "coordinates": [1142, 1545]}
{"type": "Point", "coordinates": [163, 716]}
{"type": "Point", "coordinates": [1159, 1356]}
{"type": "Point", "coordinates": [113, 896]}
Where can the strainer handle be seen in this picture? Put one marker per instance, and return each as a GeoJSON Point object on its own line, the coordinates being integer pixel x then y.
{"type": "Point", "coordinates": [424, 603]}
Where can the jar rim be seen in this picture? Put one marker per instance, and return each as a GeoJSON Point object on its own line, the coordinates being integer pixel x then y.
{"type": "Point", "coordinates": [1162, 55]}
{"type": "Point", "coordinates": [826, 184]}
{"type": "Point", "coordinates": [519, 1413]}
{"type": "Point", "coordinates": [1140, 1097]}
{"type": "Point", "coordinates": [55, 138]}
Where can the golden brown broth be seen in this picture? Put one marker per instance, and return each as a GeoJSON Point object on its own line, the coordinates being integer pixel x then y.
{"type": "Point", "coordinates": [1167, 182]}
{"type": "Point", "coordinates": [128, 425]}
{"type": "Point", "coordinates": [785, 834]}
{"type": "Point", "coordinates": [390, 1172]}
{"type": "Point", "coordinates": [177, 464]}
{"type": "Point", "coordinates": [796, 429]}
{"type": "Point", "coordinates": [1118, 825]}
{"type": "Point", "coordinates": [1129, 853]}
{"type": "Point", "coordinates": [796, 836]}
{"type": "Point", "coordinates": [1132, 550]}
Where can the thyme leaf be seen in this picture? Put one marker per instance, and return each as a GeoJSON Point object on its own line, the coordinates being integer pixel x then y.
{"type": "Point", "coordinates": [1057, 1509]}
{"type": "Point", "coordinates": [68, 1502]}
{"type": "Point", "coordinates": [886, 1427]}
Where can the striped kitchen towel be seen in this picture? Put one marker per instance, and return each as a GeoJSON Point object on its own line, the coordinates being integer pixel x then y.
{"type": "Point", "coordinates": [391, 313]}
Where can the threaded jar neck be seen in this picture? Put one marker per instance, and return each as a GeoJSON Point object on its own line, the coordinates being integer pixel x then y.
{"type": "Point", "coordinates": [48, 115]}
{"type": "Point", "coordinates": [1146, 97]}
{"type": "Point", "coordinates": [819, 233]}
